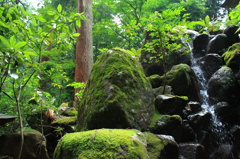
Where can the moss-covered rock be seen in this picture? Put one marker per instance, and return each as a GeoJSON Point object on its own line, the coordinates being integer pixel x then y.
{"type": "Point", "coordinates": [168, 125]}
{"type": "Point", "coordinates": [118, 94]}
{"type": "Point", "coordinates": [155, 80]}
{"type": "Point", "coordinates": [179, 77]}
{"type": "Point", "coordinates": [113, 143]}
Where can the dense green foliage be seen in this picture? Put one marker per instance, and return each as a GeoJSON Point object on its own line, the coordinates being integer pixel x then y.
{"type": "Point", "coordinates": [37, 47]}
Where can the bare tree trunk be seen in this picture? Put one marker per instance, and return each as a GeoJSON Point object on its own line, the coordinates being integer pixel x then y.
{"type": "Point", "coordinates": [84, 53]}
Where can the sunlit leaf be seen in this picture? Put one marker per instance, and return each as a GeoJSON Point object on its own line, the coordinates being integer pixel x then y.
{"type": "Point", "coordinates": [5, 41]}
{"type": "Point", "coordinates": [59, 8]}
{"type": "Point", "coordinates": [20, 44]}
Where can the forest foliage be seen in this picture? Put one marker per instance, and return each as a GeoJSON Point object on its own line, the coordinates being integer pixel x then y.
{"type": "Point", "coordinates": [38, 45]}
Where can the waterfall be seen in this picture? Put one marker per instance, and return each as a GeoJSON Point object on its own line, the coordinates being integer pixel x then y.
{"type": "Point", "coordinates": [217, 127]}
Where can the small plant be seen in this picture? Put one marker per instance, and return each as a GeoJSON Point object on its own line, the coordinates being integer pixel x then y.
{"type": "Point", "coordinates": [78, 85]}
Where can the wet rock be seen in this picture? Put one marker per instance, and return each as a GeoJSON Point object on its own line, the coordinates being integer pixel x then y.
{"type": "Point", "coordinates": [191, 151]}
{"type": "Point", "coordinates": [218, 44]}
{"type": "Point", "coordinates": [235, 133]}
{"type": "Point", "coordinates": [170, 104]}
{"type": "Point", "coordinates": [118, 94]}
{"type": "Point", "coordinates": [200, 120]}
{"type": "Point", "coordinates": [115, 143]}
{"type": "Point", "coordinates": [232, 56]}
{"type": "Point", "coordinates": [193, 107]}
{"type": "Point", "coordinates": [223, 86]}
{"type": "Point", "coordinates": [200, 45]}
{"type": "Point", "coordinates": [34, 146]}
{"type": "Point", "coordinates": [169, 125]}
{"type": "Point", "coordinates": [210, 64]}
{"type": "Point", "coordinates": [188, 134]}
{"type": "Point", "coordinates": [224, 111]}
{"type": "Point", "coordinates": [232, 36]}
{"type": "Point", "coordinates": [223, 152]}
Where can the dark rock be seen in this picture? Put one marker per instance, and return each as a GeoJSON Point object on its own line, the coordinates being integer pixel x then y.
{"type": "Point", "coordinates": [224, 111]}
{"type": "Point", "coordinates": [188, 134]}
{"type": "Point", "coordinates": [222, 86]}
{"type": "Point", "coordinates": [169, 125]}
{"type": "Point", "coordinates": [34, 146]}
{"type": "Point", "coordinates": [224, 151]}
{"type": "Point", "coordinates": [193, 107]}
{"type": "Point", "coordinates": [200, 120]}
{"type": "Point", "coordinates": [155, 80]}
{"type": "Point", "coordinates": [180, 56]}
{"type": "Point", "coordinates": [200, 45]}
{"type": "Point", "coordinates": [118, 94]}
{"type": "Point", "coordinates": [170, 104]}
{"type": "Point", "coordinates": [191, 151]}
{"type": "Point", "coordinates": [210, 64]}
{"type": "Point", "coordinates": [235, 133]}
{"type": "Point", "coordinates": [218, 44]}
{"type": "Point", "coordinates": [232, 36]}
{"type": "Point", "coordinates": [232, 56]}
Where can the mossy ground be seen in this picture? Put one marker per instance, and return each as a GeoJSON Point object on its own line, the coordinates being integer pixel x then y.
{"type": "Point", "coordinates": [102, 144]}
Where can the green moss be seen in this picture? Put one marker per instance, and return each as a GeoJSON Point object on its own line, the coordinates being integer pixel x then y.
{"type": "Point", "coordinates": [233, 51]}
{"type": "Point", "coordinates": [154, 144]}
{"type": "Point", "coordinates": [65, 120]}
{"type": "Point", "coordinates": [118, 94]}
{"type": "Point", "coordinates": [183, 97]}
{"type": "Point", "coordinates": [156, 116]}
{"type": "Point", "coordinates": [101, 144]}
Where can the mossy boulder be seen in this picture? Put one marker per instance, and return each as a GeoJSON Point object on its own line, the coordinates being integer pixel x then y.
{"type": "Point", "coordinates": [155, 80]}
{"type": "Point", "coordinates": [168, 125]}
{"type": "Point", "coordinates": [115, 144]}
{"type": "Point", "coordinates": [180, 77]}
{"type": "Point", "coordinates": [67, 124]}
{"type": "Point", "coordinates": [118, 94]}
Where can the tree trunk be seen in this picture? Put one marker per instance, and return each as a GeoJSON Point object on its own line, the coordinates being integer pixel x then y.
{"type": "Point", "coordinates": [84, 53]}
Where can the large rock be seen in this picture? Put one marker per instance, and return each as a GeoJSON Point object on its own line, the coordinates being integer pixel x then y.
{"type": "Point", "coordinates": [223, 86]}
{"type": "Point", "coordinates": [170, 104]}
{"type": "Point", "coordinates": [181, 78]}
{"type": "Point", "coordinates": [210, 64]}
{"type": "Point", "coordinates": [168, 125]}
{"type": "Point", "coordinates": [200, 45]}
{"type": "Point", "coordinates": [232, 34]}
{"type": "Point", "coordinates": [218, 44]}
{"type": "Point", "coordinates": [118, 94]}
{"type": "Point", "coordinates": [191, 151]}
{"type": "Point", "coordinates": [34, 146]}
{"type": "Point", "coordinates": [115, 143]}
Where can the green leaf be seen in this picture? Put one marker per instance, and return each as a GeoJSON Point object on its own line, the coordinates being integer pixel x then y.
{"type": "Point", "coordinates": [20, 44]}
{"type": "Point", "coordinates": [78, 23]}
{"type": "Point", "coordinates": [3, 24]}
{"type": "Point", "coordinates": [12, 41]}
{"type": "Point", "coordinates": [75, 34]}
{"type": "Point", "coordinates": [59, 8]}
{"type": "Point", "coordinates": [50, 12]}
{"type": "Point", "coordinates": [5, 41]}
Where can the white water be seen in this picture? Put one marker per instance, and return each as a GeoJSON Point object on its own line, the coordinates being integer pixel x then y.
{"type": "Point", "coordinates": [217, 127]}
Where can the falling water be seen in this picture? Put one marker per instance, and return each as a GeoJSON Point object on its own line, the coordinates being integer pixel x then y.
{"type": "Point", "coordinates": [217, 127]}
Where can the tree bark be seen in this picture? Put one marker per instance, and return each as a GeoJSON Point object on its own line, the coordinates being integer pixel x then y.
{"type": "Point", "coordinates": [84, 52]}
